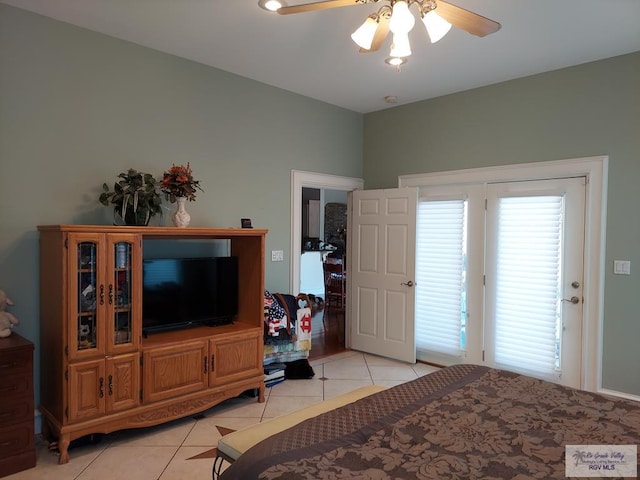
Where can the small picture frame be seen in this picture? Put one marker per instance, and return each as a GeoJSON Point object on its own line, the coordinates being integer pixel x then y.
{"type": "Point", "coordinates": [246, 222]}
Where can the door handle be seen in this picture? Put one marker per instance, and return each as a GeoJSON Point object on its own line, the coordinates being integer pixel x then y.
{"type": "Point", "coordinates": [408, 284]}
{"type": "Point", "coordinates": [575, 300]}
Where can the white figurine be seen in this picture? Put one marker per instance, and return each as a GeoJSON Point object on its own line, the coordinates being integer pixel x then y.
{"type": "Point", "coordinates": [7, 320]}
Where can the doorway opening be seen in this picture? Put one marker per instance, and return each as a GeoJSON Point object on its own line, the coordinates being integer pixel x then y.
{"type": "Point", "coordinates": [327, 190]}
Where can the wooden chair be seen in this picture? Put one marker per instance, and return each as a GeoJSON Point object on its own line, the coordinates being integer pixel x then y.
{"type": "Point", "coordinates": [335, 294]}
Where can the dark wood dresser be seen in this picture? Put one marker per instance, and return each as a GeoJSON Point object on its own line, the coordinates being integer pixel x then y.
{"type": "Point", "coordinates": [17, 444]}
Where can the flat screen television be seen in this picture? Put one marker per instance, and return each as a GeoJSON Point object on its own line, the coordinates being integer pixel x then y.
{"type": "Point", "coordinates": [184, 292]}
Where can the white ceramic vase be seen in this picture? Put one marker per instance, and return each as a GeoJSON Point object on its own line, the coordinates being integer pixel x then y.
{"type": "Point", "coordinates": [181, 217]}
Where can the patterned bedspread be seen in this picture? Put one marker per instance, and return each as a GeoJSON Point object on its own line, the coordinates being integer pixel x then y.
{"type": "Point", "coordinates": [464, 421]}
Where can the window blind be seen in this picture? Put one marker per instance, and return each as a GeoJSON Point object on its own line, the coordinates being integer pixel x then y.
{"type": "Point", "coordinates": [440, 256]}
{"type": "Point", "coordinates": [527, 318]}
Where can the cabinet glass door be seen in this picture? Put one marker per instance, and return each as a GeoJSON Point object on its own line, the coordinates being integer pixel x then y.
{"type": "Point", "coordinates": [89, 294]}
{"type": "Point", "coordinates": [122, 320]}
{"type": "Point", "coordinates": [123, 306]}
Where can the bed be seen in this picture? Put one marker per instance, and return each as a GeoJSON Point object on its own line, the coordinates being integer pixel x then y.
{"type": "Point", "coordinates": [464, 421]}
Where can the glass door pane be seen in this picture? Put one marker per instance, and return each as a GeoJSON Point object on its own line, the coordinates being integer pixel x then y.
{"type": "Point", "coordinates": [88, 296]}
{"type": "Point", "coordinates": [121, 296]}
{"type": "Point", "coordinates": [529, 283]}
{"type": "Point", "coordinates": [441, 277]}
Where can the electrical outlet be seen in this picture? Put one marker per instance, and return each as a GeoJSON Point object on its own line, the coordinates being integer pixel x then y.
{"type": "Point", "coordinates": [277, 255]}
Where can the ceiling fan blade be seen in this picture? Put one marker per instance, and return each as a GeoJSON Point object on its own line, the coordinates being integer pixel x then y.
{"type": "Point", "coordinates": [309, 7]}
{"type": "Point", "coordinates": [466, 20]}
{"type": "Point", "coordinates": [381, 34]}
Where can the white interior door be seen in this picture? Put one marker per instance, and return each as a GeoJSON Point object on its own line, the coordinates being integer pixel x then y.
{"type": "Point", "coordinates": [381, 272]}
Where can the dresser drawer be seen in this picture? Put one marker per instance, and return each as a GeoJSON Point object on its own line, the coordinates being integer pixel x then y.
{"type": "Point", "coordinates": [13, 410]}
{"type": "Point", "coordinates": [17, 439]}
{"type": "Point", "coordinates": [16, 362]}
{"type": "Point", "coordinates": [15, 386]}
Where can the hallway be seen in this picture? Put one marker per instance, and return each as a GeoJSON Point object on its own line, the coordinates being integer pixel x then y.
{"type": "Point", "coordinates": [327, 337]}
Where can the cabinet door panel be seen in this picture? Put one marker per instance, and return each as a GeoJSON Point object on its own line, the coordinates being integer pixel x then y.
{"type": "Point", "coordinates": [235, 357]}
{"type": "Point", "coordinates": [86, 390]}
{"type": "Point", "coordinates": [123, 302]}
{"type": "Point", "coordinates": [174, 370]}
{"type": "Point", "coordinates": [87, 295]}
{"type": "Point", "coordinates": [123, 382]}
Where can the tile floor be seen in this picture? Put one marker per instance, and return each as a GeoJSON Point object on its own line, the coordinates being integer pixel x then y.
{"type": "Point", "coordinates": [165, 452]}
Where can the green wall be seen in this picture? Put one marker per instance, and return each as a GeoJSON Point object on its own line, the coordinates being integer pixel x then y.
{"type": "Point", "coordinates": [78, 107]}
{"type": "Point", "coordinates": [587, 110]}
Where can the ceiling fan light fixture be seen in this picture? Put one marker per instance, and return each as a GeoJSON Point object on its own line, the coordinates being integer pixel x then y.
{"type": "Point", "coordinates": [400, 46]}
{"type": "Point", "coordinates": [396, 61]}
{"type": "Point", "coordinates": [271, 5]}
{"type": "Point", "coordinates": [437, 27]}
{"type": "Point", "coordinates": [395, 16]}
{"type": "Point", "coordinates": [402, 20]}
{"type": "Point", "coordinates": [363, 36]}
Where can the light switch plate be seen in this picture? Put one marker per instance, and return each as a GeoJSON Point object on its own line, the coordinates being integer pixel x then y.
{"type": "Point", "coordinates": [621, 267]}
{"type": "Point", "coordinates": [277, 255]}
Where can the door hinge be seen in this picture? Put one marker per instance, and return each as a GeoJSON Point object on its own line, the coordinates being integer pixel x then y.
{"type": "Point", "coordinates": [484, 280]}
{"type": "Point", "coordinates": [483, 355]}
{"type": "Point", "coordinates": [486, 202]}
{"type": "Point", "coordinates": [206, 364]}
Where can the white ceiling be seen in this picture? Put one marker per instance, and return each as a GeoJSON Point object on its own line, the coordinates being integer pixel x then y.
{"type": "Point", "coordinates": [312, 53]}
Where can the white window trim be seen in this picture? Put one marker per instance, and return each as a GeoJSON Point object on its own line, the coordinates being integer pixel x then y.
{"type": "Point", "coordinates": [595, 169]}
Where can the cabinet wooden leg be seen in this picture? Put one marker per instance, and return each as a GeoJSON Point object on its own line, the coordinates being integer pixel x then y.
{"type": "Point", "coordinates": [63, 448]}
{"type": "Point", "coordinates": [261, 393]}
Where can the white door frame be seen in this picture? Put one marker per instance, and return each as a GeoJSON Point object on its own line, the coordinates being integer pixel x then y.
{"type": "Point", "coordinates": [596, 171]}
{"type": "Point", "coordinates": [301, 179]}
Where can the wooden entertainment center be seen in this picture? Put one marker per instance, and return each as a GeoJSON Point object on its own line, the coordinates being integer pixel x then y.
{"type": "Point", "coordinates": [97, 372]}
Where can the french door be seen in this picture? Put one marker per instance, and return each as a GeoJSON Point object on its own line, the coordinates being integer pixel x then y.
{"type": "Point", "coordinates": [499, 274]}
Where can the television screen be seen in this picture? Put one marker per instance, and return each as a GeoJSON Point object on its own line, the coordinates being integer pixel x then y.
{"type": "Point", "coordinates": [183, 292]}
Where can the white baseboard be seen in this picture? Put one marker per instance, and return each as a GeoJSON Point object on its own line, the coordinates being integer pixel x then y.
{"type": "Point", "coordinates": [614, 393]}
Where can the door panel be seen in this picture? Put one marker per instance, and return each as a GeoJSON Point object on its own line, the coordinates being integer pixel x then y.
{"type": "Point", "coordinates": [174, 370]}
{"type": "Point", "coordinates": [381, 272]}
{"type": "Point", "coordinates": [234, 358]}
{"type": "Point", "coordinates": [366, 303]}
{"type": "Point", "coordinates": [542, 264]}
{"type": "Point", "coordinates": [123, 382]}
{"type": "Point", "coordinates": [86, 390]}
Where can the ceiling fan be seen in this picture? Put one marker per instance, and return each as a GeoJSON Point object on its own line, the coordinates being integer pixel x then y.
{"type": "Point", "coordinates": [394, 15]}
